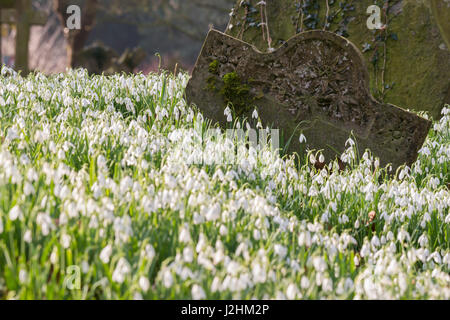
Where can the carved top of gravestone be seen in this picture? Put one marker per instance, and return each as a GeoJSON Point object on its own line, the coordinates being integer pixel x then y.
{"type": "Point", "coordinates": [317, 83]}
{"type": "Point", "coordinates": [408, 60]}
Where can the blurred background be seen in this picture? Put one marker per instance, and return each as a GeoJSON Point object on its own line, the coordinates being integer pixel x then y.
{"type": "Point", "coordinates": [117, 35]}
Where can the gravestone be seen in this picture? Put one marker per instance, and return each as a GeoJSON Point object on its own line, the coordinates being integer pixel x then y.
{"type": "Point", "coordinates": [316, 83]}
{"type": "Point", "coordinates": [408, 61]}
{"type": "Point", "coordinates": [21, 13]}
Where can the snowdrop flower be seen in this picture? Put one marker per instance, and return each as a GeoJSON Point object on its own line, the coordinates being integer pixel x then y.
{"type": "Point", "coordinates": [167, 278]}
{"type": "Point", "coordinates": [84, 266]}
{"type": "Point", "coordinates": [65, 241]}
{"type": "Point", "coordinates": [349, 142]}
{"type": "Point", "coordinates": [255, 114]}
{"type": "Point", "coordinates": [280, 250]}
{"type": "Point", "coordinates": [302, 138]}
{"type": "Point", "coordinates": [23, 276]}
{"type": "Point", "coordinates": [188, 254]}
{"type": "Point", "coordinates": [105, 254]}
{"type": "Point", "coordinates": [15, 213]}
{"type": "Point", "coordinates": [185, 236]}
{"type": "Point", "coordinates": [149, 252]}
{"type": "Point", "coordinates": [54, 256]}
{"type": "Point", "coordinates": [321, 158]}
{"type": "Point", "coordinates": [123, 268]}
{"type": "Point", "coordinates": [423, 240]}
{"type": "Point", "coordinates": [375, 241]}
{"type": "Point", "coordinates": [304, 283]}
{"type": "Point", "coordinates": [144, 284]}
{"type": "Point", "coordinates": [259, 274]}
{"type": "Point", "coordinates": [292, 291]}
{"type": "Point", "coordinates": [213, 212]}
{"type": "Point", "coordinates": [1, 225]}
{"type": "Point", "coordinates": [198, 293]}
{"type": "Point", "coordinates": [304, 239]}
{"type": "Point", "coordinates": [27, 236]}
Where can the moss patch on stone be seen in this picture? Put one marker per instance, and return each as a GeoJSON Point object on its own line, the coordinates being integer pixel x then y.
{"type": "Point", "coordinates": [214, 67]}
{"type": "Point", "coordinates": [236, 93]}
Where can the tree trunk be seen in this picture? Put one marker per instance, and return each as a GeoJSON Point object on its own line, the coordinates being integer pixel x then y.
{"type": "Point", "coordinates": [76, 39]}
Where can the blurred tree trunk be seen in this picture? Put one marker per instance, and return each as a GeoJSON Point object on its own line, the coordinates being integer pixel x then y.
{"type": "Point", "coordinates": [76, 39]}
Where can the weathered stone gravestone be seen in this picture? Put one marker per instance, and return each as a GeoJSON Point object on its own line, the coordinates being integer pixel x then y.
{"type": "Point", "coordinates": [21, 13]}
{"type": "Point", "coordinates": [316, 83]}
{"type": "Point", "coordinates": [408, 60]}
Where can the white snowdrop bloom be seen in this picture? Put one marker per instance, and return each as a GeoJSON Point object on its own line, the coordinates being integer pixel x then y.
{"type": "Point", "coordinates": [446, 259]}
{"type": "Point", "coordinates": [15, 213]}
{"type": "Point", "coordinates": [423, 240]}
{"type": "Point", "coordinates": [327, 284]}
{"type": "Point", "coordinates": [213, 212]}
{"type": "Point", "coordinates": [393, 267]}
{"type": "Point", "coordinates": [349, 142]}
{"type": "Point", "coordinates": [198, 293]}
{"type": "Point", "coordinates": [255, 114]}
{"type": "Point", "coordinates": [304, 239]}
{"type": "Point", "coordinates": [215, 285]}
{"type": "Point", "coordinates": [1, 225]}
{"type": "Point", "coordinates": [28, 189]}
{"type": "Point", "coordinates": [291, 291]}
{"type": "Point", "coordinates": [122, 269]}
{"type": "Point", "coordinates": [144, 283]}
{"type": "Point", "coordinates": [54, 256]}
{"type": "Point", "coordinates": [402, 283]}
{"type": "Point", "coordinates": [105, 254]}
{"type": "Point", "coordinates": [137, 296]}
{"type": "Point", "coordinates": [357, 224]}
{"type": "Point", "coordinates": [436, 257]}
{"type": "Point", "coordinates": [84, 266]}
{"type": "Point", "coordinates": [304, 283]}
{"type": "Point", "coordinates": [280, 250]}
{"type": "Point", "coordinates": [390, 236]}
{"type": "Point", "coordinates": [312, 159]}
{"type": "Point", "coordinates": [259, 274]}
{"type": "Point", "coordinates": [321, 158]}
{"type": "Point", "coordinates": [65, 240]}
{"type": "Point", "coordinates": [223, 230]}
{"type": "Point", "coordinates": [23, 276]}
{"type": "Point", "coordinates": [233, 268]}
{"type": "Point", "coordinates": [188, 254]}
{"type": "Point", "coordinates": [184, 236]}
{"type": "Point", "coordinates": [319, 264]}
{"type": "Point", "coordinates": [27, 237]}
{"type": "Point", "coordinates": [149, 252]}
{"type": "Point", "coordinates": [365, 250]}
{"type": "Point", "coordinates": [348, 285]}
{"type": "Point", "coordinates": [302, 138]}
{"type": "Point", "coordinates": [403, 235]}
{"type": "Point", "coordinates": [13, 134]}
{"type": "Point", "coordinates": [167, 278]}
{"type": "Point", "coordinates": [375, 241]}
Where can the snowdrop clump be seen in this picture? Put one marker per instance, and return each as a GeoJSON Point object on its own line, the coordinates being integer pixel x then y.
{"type": "Point", "coordinates": [93, 174]}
